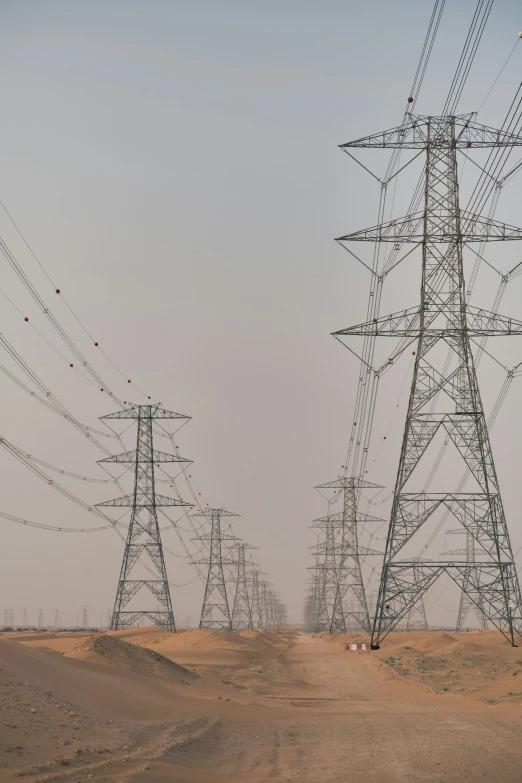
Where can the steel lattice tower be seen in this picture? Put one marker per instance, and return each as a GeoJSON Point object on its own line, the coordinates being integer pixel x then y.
{"type": "Point", "coordinates": [465, 603]}
{"type": "Point", "coordinates": [417, 620]}
{"type": "Point", "coordinates": [442, 229]}
{"type": "Point", "coordinates": [348, 579]}
{"type": "Point", "coordinates": [143, 537]}
{"type": "Point", "coordinates": [257, 611]}
{"type": "Point", "coordinates": [242, 606]}
{"type": "Point", "coordinates": [325, 574]}
{"type": "Point", "coordinates": [215, 612]}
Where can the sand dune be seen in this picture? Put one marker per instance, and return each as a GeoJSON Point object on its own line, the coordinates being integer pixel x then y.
{"type": "Point", "coordinates": [117, 652]}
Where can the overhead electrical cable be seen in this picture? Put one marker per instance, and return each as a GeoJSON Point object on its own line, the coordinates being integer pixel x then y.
{"type": "Point", "coordinates": [57, 289]}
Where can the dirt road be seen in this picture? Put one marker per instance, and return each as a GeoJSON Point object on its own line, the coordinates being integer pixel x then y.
{"type": "Point", "coordinates": [380, 729]}
{"type": "Point", "coordinates": [328, 716]}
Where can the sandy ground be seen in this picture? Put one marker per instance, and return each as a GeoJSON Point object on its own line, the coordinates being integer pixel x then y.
{"type": "Point", "coordinates": [264, 706]}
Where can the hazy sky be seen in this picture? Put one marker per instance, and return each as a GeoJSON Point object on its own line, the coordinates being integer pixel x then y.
{"type": "Point", "coordinates": [175, 168]}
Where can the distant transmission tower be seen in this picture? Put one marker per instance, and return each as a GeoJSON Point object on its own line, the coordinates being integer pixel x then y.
{"type": "Point", "coordinates": [444, 319]}
{"type": "Point", "coordinates": [417, 620]}
{"type": "Point", "coordinates": [257, 611]}
{"type": "Point", "coordinates": [24, 619]}
{"type": "Point", "coordinates": [242, 607]}
{"type": "Point", "coordinates": [215, 612]}
{"type": "Point", "coordinates": [325, 574]}
{"type": "Point", "coordinates": [465, 603]}
{"type": "Point", "coordinates": [349, 584]}
{"type": "Point", "coordinates": [85, 616]}
{"type": "Point", "coordinates": [143, 538]}
{"type": "Point", "coordinates": [40, 618]}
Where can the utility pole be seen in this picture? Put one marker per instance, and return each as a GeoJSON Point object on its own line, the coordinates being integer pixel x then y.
{"type": "Point", "coordinates": [143, 538]}
{"type": "Point", "coordinates": [241, 608]}
{"type": "Point", "coordinates": [444, 319]}
{"type": "Point", "coordinates": [215, 612]}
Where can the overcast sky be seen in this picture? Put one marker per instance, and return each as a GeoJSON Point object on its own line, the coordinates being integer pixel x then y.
{"type": "Point", "coordinates": [175, 168]}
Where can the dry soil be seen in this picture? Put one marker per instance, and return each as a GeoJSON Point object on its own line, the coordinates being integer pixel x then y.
{"type": "Point", "coordinates": [265, 706]}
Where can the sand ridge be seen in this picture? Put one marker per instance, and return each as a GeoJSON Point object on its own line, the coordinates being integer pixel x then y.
{"type": "Point", "coordinates": [117, 652]}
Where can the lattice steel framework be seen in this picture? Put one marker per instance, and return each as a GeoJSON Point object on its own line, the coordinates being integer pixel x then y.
{"type": "Point", "coordinates": [257, 610]}
{"type": "Point", "coordinates": [465, 604]}
{"type": "Point", "coordinates": [441, 229]}
{"type": "Point", "coordinates": [349, 597]}
{"type": "Point", "coordinates": [143, 537]}
{"type": "Point", "coordinates": [215, 612]}
{"type": "Point", "coordinates": [242, 606]}
{"type": "Point", "coordinates": [324, 574]}
{"type": "Point", "coordinates": [417, 620]}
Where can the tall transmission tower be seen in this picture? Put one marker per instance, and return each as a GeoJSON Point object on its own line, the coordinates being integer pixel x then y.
{"type": "Point", "coordinates": [85, 616]}
{"type": "Point", "coordinates": [40, 618]}
{"type": "Point", "coordinates": [242, 606]}
{"type": "Point", "coordinates": [444, 317]}
{"type": "Point", "coordinates": [24, 619]}
{"type": "Point", "coordinates": [143, 537]}
{"type": "Point", "coordinates": [349, 584]}
{"type": "Point", "coordinates": [215, 612]}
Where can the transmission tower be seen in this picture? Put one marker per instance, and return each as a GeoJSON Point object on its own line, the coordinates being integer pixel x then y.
{"type": "Point", "coordinates": [242, 606]}
{"type": "Point", "coordinates": [257, 611]}
{"type": "Point", "coordinates": [85, 616]}
{"type": "Point", "coordinates": [143, 537]}
{"type": "Point", "coordinates": [264, 600]}
{"type": "Point", "coordinates": [325, 572]}
{"type": "Point", "coordinates": [24, 619]}
{"type": "Point", "coordinates": [215, 612]}
{"type": "Point", "coordinates": [465, 603]}
{"type": "Point", "coordinates": [348, 573]}
{"type": "Point", "coordinates": [40, 618]}
{"type": "Point", "coordinates": [417, 620]}
{"type": "Point", "coordinates": [444, 317]}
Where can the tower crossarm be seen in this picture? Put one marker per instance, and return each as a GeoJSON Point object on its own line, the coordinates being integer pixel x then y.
{"type": "Point", "coordinates": [407, 323]}
{"type": "Point", "coordinates": [158, 456]}
{"type": "Point", "coordinates": [418, 131]}
{"type": "Point", "coordinates": [144, 411]}
{"type": "Point", "coordinates": [337, 520]}
{"type": "Point", "coordinates": [411, 228]}
{"type": "Point", "coordinates": [131, 500]}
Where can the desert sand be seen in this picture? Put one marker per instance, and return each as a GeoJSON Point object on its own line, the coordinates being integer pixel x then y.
{"type": "Point", "coordinates": [144, 706]}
